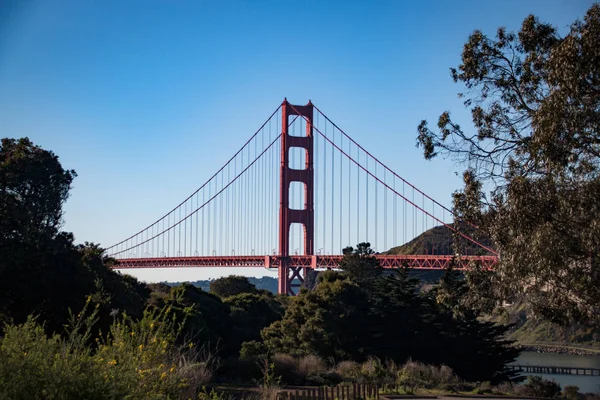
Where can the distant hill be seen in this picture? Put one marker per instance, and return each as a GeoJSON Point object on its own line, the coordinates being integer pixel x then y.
{"type": "Point", "coordinates": [266, 282]}
{"type": "Point", "coordinates": [439, 240]}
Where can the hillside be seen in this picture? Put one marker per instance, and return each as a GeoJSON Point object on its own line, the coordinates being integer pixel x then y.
{"type": "Point", "coordinates": [529, 330]}
{"type": "Point", "coordinates": [439, 240]}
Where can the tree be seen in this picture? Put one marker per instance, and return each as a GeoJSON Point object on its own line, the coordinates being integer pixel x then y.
{"type": "Point", "coordinates": [533, 178]}
{"type": "Point", "coordinates": [33, 188]}
{"type": "Point", "coordinates": [250, 313]}
{"type": "Point", "coordinates": [360, 264]}
{"type": "Point", "coordinates": [41, 271]}
{"type": "Point", "coordinates": [326, 321]}
{"type": "Point", "coordinates": [207, 320]}
{"type": "Point", "coordinates": [475, 349]}
{"type": "Point", "coordinates": [231, 285]}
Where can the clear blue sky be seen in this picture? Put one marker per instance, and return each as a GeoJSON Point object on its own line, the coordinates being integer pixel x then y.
{"type": "Point", "coordinates": [145, 99]}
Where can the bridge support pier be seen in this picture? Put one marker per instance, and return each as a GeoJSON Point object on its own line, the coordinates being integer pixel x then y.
{"type": "Point", "coordinates": [291, 279]}
{"type": "Point", "coordinates": [289, 274]}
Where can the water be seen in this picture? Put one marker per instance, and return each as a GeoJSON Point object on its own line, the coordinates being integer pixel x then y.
{"type": "Point", "coordinates": [585, 383]}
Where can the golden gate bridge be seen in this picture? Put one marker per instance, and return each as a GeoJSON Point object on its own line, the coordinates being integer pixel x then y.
{"type": "Point", "coordinates": [296, 193]}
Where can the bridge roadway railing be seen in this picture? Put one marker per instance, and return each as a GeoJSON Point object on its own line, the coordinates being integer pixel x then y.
{"type": "Point", "coordinates": [316, 261]}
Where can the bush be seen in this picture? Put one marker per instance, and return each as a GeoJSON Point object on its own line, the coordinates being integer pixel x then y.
{"type": "Point", "coordinates": [35, 366]}
{"type": "Point", "coordinates": [412, 376]}
{"type": "Point", "coordinates": [136, 360]}
{"type": "Point", "coordinates": [310, 366]}
{"type": "Point", "coordinates": [572, 393]}
{"type": "Point", "coordinates": [538, 387]}
{"type": "Point", "coordinates": [372, 372]}
{"type": "Point", "coordinates": [253, 350]}
{"type": "Point", "coordinates": [484, 388]}
{"type": "Point", "coordinates": [415, 375]}
{"type": "Point", "coordinates": [348, 370]}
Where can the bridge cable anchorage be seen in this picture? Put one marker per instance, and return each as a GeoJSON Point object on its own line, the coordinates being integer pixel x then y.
{"type": "Point", "coordinates": [209, 200]}
{"type": "Point", "coordinates": [417, 207]}
{"type": "Point", "coordinates": [203, 185]}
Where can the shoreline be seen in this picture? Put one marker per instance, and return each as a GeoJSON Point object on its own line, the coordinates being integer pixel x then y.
{"type": "Point", "coordinates": [555, 349]}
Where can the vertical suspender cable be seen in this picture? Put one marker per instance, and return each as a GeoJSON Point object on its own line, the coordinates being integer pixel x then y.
{"type": "Point", "coordinates": [367, 196]}
{"type": "Point", "coordinates": [341, 194]}
{"type": "Point", "coordinates": [357, 196]}
{"type": "Point", "coordinates": [324, 190]}
{"type": "Point", "coordinates": [349, 194]}
{"type": "Point", "coordinates": [332, 188]}
{"type": "Point", "coordinates": [377, 245]}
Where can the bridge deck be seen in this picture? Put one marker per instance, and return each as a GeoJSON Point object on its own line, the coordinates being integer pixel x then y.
{"type": "Point", "coordinates": [316, 261]}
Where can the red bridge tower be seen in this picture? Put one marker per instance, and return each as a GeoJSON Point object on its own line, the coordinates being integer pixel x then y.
{"type": "Point", "coordinates": [288, 272]}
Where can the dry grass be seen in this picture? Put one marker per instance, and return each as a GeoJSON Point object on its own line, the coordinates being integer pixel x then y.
{"type": "Point", "coordinates": [311, 365]}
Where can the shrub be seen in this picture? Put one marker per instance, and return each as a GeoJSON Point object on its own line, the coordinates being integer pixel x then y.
{"type": "Point", "coordinates": [35, 366]}
{"type": "Point", "coordinates": [572, 393]}
{"type": "Point", "coordinates": [484, 388]}
{"type": "Point", "coordinates": [414, 375]}
{"type": "Point", "coordinates": [372, 372]}
{"type": "Point", "coordinates": [136, 360]}
{"type": "Point", "coordinates": [538, 387]}
{"type": "Point", "coordinates": [506, 388]}
{"type": "Point", "coordinates": [270, 383]}
{"type": "Point", "coordinates": [310, 366]}
{"type": "Point", "coordinates": [253, 350]}
{"type": "Point", "coordinates": [348, 370]}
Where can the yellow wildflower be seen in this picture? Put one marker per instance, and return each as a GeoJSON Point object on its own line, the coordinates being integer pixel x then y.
{"type": "Point", "coordinates": [141, 347]}
{"type": "Point", "coordinates": [163, 375]}
{"type": "Point", "coordinates": [112, 362]}
{"type": "Point", "coordinates": [172, 369]}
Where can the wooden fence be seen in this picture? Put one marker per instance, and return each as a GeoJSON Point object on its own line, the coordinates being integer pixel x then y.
{"type": "Point", "coordinates": [340, 392]}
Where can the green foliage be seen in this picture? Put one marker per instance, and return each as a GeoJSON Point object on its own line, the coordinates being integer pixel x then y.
{"type": "Point", "coordinates": [135, 360]}
{"type": "Point", "coordinates": [212, 395]}
{"type": "Point", "coordinates": [262, 284]}
{"type": "Point", "coordinates": [323, 321]}
{"type": "Point", "coordinates": [572, 393]}
{"type": "Point", "coordinates": [250, 313]}
{"type": "Point", "coordinates": [33, 189]}
{"type": "Point", "coordinates": [253, 350]}
{"type": "Point", "coordinates": [538, 387]}
{"type": "Point", "coordinates": [415, 375]}
{"type": "Point", "coordinates": [231, 285]}
{"type": "Point", "coordinates": [534, 101]}
{"type": "Point", "coordinates": [270, 382]}
{"type": "Point", "coordinates": [360, 264]}
{"type": "Point", "coordinates": [350, 317]}
{"type": "Point", "coordinates": [41, 271]}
